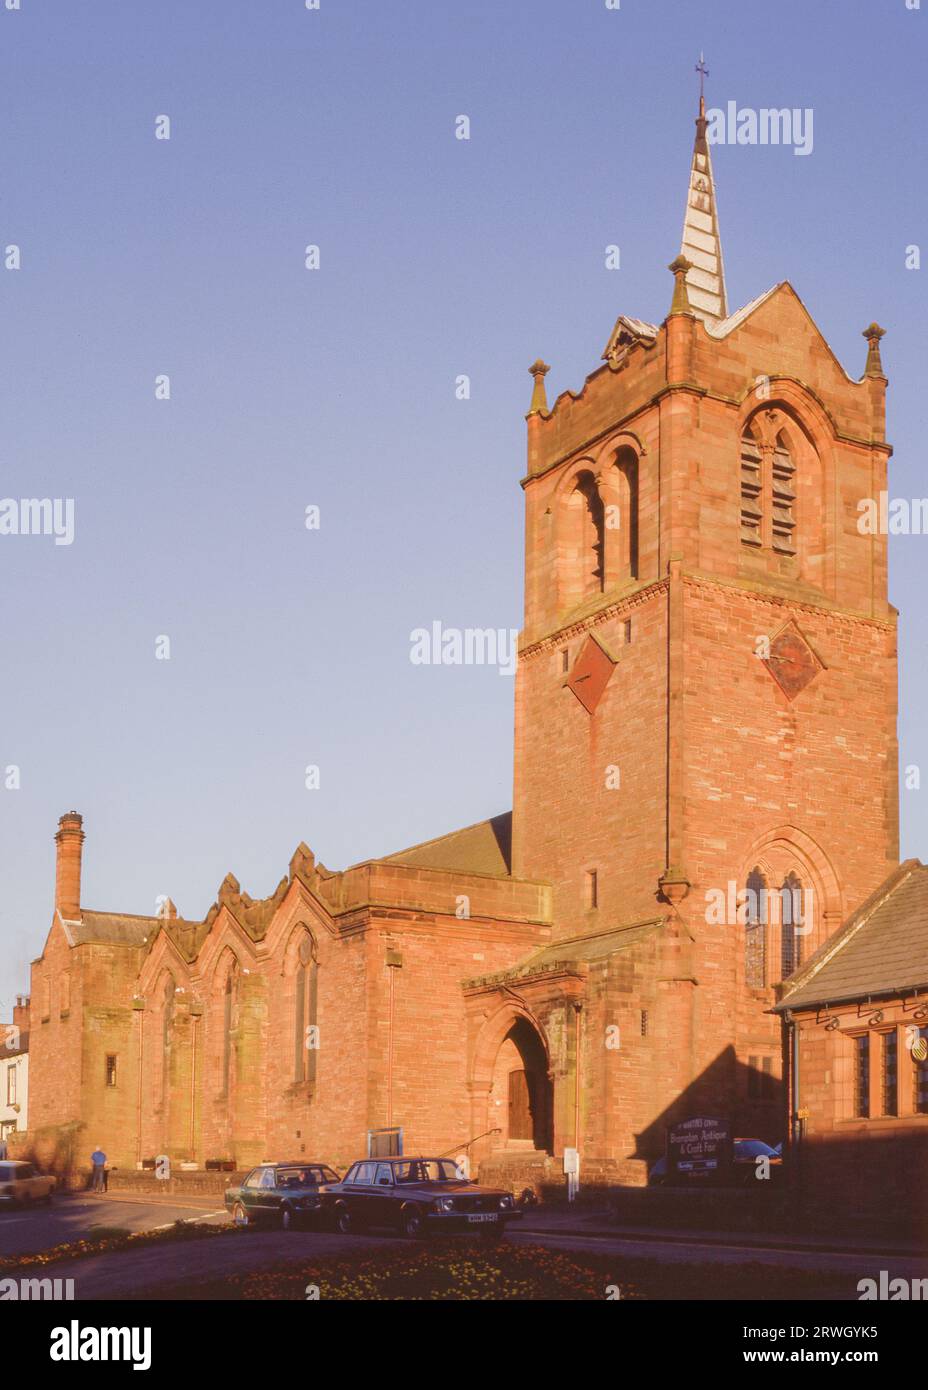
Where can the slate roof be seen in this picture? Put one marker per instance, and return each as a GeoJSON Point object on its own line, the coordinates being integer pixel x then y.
{"type": "Point", "coordinates": [881, 950]}
{"type": "Point", "coordinates": [484, 848]}
{"type": "Point", "coordinates": [575, 951]}
{"type": "Point", "coordinates": [125, 929]}
{"type": "Point", "coordinates": [116, 928]}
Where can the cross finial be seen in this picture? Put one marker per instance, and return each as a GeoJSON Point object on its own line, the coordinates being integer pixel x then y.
{"type": "Point", "coordinates": [703, 74]}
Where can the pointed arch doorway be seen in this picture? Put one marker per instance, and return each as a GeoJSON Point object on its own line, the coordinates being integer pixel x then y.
{"type": "Point", "coordinates": [522, 1089]}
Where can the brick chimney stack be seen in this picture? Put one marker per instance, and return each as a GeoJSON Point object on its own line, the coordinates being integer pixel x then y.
{"type": "Point", "coordinates": [69, 839]}
{"type": "Point", "coordinates": [21, 1015]}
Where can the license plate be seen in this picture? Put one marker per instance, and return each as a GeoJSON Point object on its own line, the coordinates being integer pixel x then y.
{"type": "Point", "coordinates": [484, 1216]}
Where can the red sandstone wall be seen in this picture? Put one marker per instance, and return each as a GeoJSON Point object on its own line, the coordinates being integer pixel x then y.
{"type": "Point", "coordinates": [567, 820]}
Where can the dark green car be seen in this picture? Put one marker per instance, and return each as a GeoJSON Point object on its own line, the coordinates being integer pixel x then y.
{"type": "Point", "coordinates": [281, 1194]}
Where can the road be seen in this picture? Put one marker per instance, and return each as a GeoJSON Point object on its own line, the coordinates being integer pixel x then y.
{"type": "Point", "coordinates": [70, 1218]}
{"type": "Point", "coordinates": [113, 1275]}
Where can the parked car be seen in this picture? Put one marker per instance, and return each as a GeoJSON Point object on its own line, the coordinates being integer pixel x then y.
{"type": "Point", "coordinates": [417, 1196]}
{"type": "Point", "coordinates": [19, 1182]}
{"type": "Point", "coordinates": [743, 1167]}
{"type": "Point", "coordinates": [285, 1194]}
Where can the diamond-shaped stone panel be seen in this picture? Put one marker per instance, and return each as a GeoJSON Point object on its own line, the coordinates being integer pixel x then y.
{"type": "Point", "coordinates": [792, 662]}
{"type": "Point", "coordinates": [590, 674]}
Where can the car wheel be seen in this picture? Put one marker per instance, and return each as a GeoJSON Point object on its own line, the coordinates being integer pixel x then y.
{"type": "Point", "coordinates": [343, 1221]}
{"type": "Point", "coordinates": [240, 1216]}
{"type": "Point", "coordinates": [411, 1223]}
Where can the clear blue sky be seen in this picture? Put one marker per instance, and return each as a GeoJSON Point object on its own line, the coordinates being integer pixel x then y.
{"type": "Point", "coordinates": [336, 387]}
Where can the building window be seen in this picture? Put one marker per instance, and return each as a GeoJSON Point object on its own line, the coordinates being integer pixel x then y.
{"type": "Point", "coordinates": [790, 924]}
{"type": "Point", "coordinates": [585, 540]}
{"type": "Point", "coordinates": [920, 1079]}
{"type": "Point", "coordinates": [627, 467]}
{"type": "Point", "coordinates": [768, 1082]}
{"type": "Point", "coordinates": [890, 1073]}
{"type": "Point", "coordinates": [783, 497]}
{"type": "Point", "coordinates": [644, 1023]}
{"type": "Point", "coordinates": [64, 995]}
{"type": "Point", "coordinates": [591, 888]}
{"type": "Point", "coordinates": [627, 627]}
{"type": "Point", "coordinates": [768, 493]}
{"type": "Point", "coordinates": [862, 1076]}
{"type": "Point", "coordinates": [762, 1084]}
{"type": "Point", "coordinates": [230, 1014]}
{"type": "Point", "coordinates": [565, 659]}
{"type": "Point", "coordinates": [304, 1012]}
{"type": "Point", "coordinates": [755, 930]}
{"type": "Point", "coordinates": [111, 1069]}
{"type": "Point", "coordinates": [11, 1085]}
{"type": "Point", "coordinates": [45, 998]}
{"type": "Point", "coordinates": [167, 1033]}
{"type": "Point", "coordinates": [751, 492]}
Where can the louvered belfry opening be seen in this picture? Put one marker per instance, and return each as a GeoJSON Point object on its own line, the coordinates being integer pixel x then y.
{"type": "Point", "coordinates": [783, 494]}
{"type": "Point", "coordinates": [751, 492]}
{"type": "Point", "coordinates": [768, 494]}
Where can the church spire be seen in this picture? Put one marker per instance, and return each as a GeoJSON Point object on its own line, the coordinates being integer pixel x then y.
{"type": "Point", "coordinates": [702, 243]}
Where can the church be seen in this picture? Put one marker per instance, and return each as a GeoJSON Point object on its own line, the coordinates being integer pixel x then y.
{"type": "Point", "coordinates": [705, 789]}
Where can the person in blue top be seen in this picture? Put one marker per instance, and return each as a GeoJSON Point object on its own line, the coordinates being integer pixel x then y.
{"type": "Point", "coordinates": [98, 1159]}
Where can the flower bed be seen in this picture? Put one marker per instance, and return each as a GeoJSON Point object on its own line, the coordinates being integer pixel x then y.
{"type": "Point", "coordinates": [441, 1270]}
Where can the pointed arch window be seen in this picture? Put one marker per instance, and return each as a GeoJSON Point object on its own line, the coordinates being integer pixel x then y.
{"type": "Point", "coordinates": [167, 1033]}
{"type": "Point", "coordinates": [768, 490]}
{"type": "Point", "coordinates": [751, 492]}
{"type": "Point", "coordinates": [230, 1022]}
{"type": "Point", "coordinates": [755, 930]}
{"type": "Point", "coordinates": [791, 923]}
{"type": "Point", "coordinates": [783, 498]}
{"type": "Point", "coordinates": [305, 991]}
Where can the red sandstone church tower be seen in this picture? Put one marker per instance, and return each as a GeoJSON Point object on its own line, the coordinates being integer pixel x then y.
{"type": "Point", "coordinates": [706, 695]}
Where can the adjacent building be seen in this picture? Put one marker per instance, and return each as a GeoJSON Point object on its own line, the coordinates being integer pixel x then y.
{"type": "Point", "coordinates": [14, 1072]}
{"type": "Point", "coordinates": [856, 1030]}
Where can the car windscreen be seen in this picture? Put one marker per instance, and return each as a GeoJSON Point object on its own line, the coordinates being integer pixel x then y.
{"type": "Point", "coordinates": [427, 1170]}
{"type": "Point", "coordinates": [310, 1176]}
{"type": "Point", "coordinates": [8, 1172]}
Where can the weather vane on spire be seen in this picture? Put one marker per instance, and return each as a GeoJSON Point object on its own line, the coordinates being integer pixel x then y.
{"type": "Point", "coordinates": [703, 74]}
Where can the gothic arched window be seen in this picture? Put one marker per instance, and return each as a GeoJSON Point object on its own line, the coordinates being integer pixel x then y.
{"type": "Point", "coordinates": [782, 498]}
{"type": "Point", "coordinates": [755, 930]}
{"type": "Point", "coordinates": [768, 485]}
{"type": "Point", "coordinates": [752, 487]}
{"type": "Point", "coordinates": [230, 1020]}
{"type": "Point", "coordinates": [627, 467]}
{"type": "Point", "coordinates": [791, 923]}
{"type": "Point", "coordinates": [304, 1012]}
{"type": "Point", "coordinates": [167, 1032]}
{"type": "Point", "coordinates": [584, 539]}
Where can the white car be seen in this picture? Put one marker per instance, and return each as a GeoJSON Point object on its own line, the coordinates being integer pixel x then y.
{"type": "Point", "coordinates": [19, 1182]}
